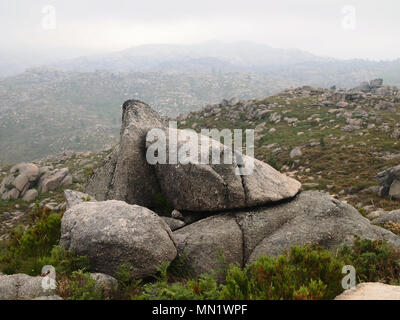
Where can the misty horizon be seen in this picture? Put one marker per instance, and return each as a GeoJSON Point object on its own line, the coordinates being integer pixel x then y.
{"type": "Point", "coordinates": [57, 29]}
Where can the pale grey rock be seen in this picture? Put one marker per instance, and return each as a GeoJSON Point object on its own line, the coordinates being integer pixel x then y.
{"type": "Point", "coordinates": [312, 217]}
{"type": "Point", "coordinates": [375, 214]}
{"type": "Point", "coordinates": [174, 224]}
{"type": "Point", "coordinates": [30, 195]}
{"type": "Point", "coordinates": [371, 291]}
{"type": "Point", "coordinates": [389, 178]}
{"type": "Point", "coordinates": [177, 215]}
{"type": "Point", "coordinates": [52, 180]}
{"type": "Point", "coordinates": [21, 178]}
{"type": "Point", "coordinates": [21, 287]}
{"type": "Point", "coordinates": [202, 242]}
{"type": "Point", "coordinates": [112, 233]}
{"type": "Point", "coordinates": [127, 175]}
{"type": "Point", "coordinates": [394, 190]}
{"type": "Point", "coordinates": [395, 134]}
{"type": "Point", "coordinates": [296, 152]}
{"type": "Point", "coordinates": [392, 216]}
{"type": "Point", "coordinates": [99, 183]}
{"type": "Point", "coordinates": [213, 187]}
{"type": "Point", "coordinates": [73, 198]}
{"type": "Point", "coordinates": [104, 281]}
{"type": "Point", "coordinates": [53, 297]}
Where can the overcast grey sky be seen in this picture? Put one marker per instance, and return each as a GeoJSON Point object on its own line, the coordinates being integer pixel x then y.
{"type": "Point", "coordinates": [89, 26]}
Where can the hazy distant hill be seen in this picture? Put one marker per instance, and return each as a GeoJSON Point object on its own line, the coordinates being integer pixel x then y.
{"type": "Point", "coordinates": [45, 111]}
{"type": "Point", "coordinates": [218, 57]}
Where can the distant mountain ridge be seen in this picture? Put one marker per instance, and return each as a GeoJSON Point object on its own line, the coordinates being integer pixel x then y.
{"type": "Point", "coordinates": [247, 57]}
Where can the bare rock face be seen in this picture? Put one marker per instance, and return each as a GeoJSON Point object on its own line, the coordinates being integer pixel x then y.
{"type": "Point", "coordinates": [371, 291]}
{"type": "Point", "coordinates": [112, 233]}
{"type": "Point", "coordinates": [100, 183]}
{"type": "Point", "coordinates": [311, 217]}
{"type": "Point", "coordinates": [203, 241]}
{"type": "Point", "coordinates": [74, 198]}
{"type": "Point", "coordinates": [204, 186]}
{"type": "Point", "coordinates": [126, 175]}
{"type": "Point", "coordinates": [21, 178]}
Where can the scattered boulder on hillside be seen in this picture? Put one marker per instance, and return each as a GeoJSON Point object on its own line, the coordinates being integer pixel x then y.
{"type": "Point", "coordinates": [311, 217]}
{"type": "Point", "coordinates": [213, 187]}
{"type": "Point", "coordinates": [52, 179]}
{"type": "Point", "coordinates": [296, 152]}
{"type": "Point", "coordinates": [112, 233]}
{"type": "Point", "coordinates": [126, 174]}
{"type": "Point", "coordinates": [392, 216]}
{"type": "Point", "coordinates": [21, 178]}
{"type": "Point", "coordinates": [30, 195]}
{"type": "Point", "coordinates": [390, 182]}
{"type": "Point", "coordinates": [395, 134]}
{"type": "Point", "coordinates": [21, 286]}
{"type": "Point", "coordinates": [25, 178]}
{"type": "Point", "coordinates": [371, 291]}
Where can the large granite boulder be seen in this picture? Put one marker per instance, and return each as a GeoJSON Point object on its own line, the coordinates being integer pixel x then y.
{"type": "Point", "coordinates": [204, 185]}
{"type": "Point", "coordinates": [311, 217]}
{"type": "Point", "coordinates": [112, 233]}
{"type": "Point", "coordinates": [126, 175]}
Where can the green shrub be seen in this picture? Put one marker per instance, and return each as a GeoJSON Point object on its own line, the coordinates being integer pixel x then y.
{"type": "Point", "coordinates": [28, 250]}
{"type": "Point", "coordinates": [373, 260]}
{"type": "Point", "coordinates": [300, 273]}
{"type": "Point", "coordinates": [65, 262]}
{"type": "Point", "coordinates": [80, 286]}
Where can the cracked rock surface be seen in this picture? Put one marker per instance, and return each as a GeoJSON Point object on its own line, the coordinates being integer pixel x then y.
{"type": "Point", "coordinates": [205, 186]}
{"type": "Point", "coordinates": [126, 175]}
{"type": "Point", "coordinates": [311, 217]}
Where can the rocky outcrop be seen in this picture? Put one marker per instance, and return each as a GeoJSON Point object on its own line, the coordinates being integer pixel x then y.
{"type": "Point", "coordinates": [371, 291]}
{"type": "Point", "coordinates": [113, 233]}
{"type": "Point", "coordinates": [204, 186]}
{"type": "Point", "coordinates": [126, 175]}
{"type": "Point", "coordinates": [24, 177]}
{"type": "Point", "coordinates": [21, 178]}
{"type": "Point", "coordinates": [311, 217]}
